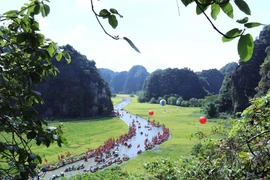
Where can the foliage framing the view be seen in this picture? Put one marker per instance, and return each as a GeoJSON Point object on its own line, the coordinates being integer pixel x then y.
{"type": "Point", "coordinates": [25, 61]}
{"type": "Point", "coordinates": [245, 42]}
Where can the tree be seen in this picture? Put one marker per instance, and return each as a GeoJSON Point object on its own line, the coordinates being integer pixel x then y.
{"type": "Point", "coordinates": [171, 100]}
{"type": "Point", "coordinates": [25, 61]}
{"type": "Point", "coordinates": [264, 84]}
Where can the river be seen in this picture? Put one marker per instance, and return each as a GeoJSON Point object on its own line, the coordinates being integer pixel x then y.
{"type": "Point", "coordinates": [136, 141]}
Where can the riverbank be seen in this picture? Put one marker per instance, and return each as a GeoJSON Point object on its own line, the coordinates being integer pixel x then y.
{"type": "Point", "coordinates": [146, 133]}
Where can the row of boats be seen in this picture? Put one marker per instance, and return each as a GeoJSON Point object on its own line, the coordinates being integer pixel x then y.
{"type": "Point", "coordinates": [108, 153]}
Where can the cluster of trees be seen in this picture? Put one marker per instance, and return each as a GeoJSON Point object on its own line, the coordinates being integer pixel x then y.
{"type": "Point", "coordinates": [183, 82]}
{"type": "Point", "coordinates": [177, 100]}
{"type": "Point", "coordinates": [160, 83]}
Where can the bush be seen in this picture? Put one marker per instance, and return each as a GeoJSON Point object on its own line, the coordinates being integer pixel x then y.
{"type": "Point", "coordinates": [153, 101]}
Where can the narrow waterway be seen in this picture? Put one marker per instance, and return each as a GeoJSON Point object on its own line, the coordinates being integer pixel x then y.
{"type": "Point", "coordinates": [143, 132]}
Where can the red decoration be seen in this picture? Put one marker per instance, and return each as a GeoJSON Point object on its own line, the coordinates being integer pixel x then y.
{"type": "Point", "coordinates": [203, 120]}
{"type": "Point", "coordinates": [151, 113]}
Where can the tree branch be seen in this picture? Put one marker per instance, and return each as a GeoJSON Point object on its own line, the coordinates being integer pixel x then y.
{"type": "Point", "coordinates": [114, 37]}
{"type": "Point", "coordinates": [264, 132]}
{"type": "Point", "coordinates": [215, 28]}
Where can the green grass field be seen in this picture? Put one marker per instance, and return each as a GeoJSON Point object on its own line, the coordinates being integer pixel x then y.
{"type": "Point", "coordinates": [84, 134]}
{"type": "Point", "coordinates": [182, 121]}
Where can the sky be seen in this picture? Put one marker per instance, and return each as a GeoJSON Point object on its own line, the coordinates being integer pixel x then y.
{"type": "Point", "coordinates": [167, 36]}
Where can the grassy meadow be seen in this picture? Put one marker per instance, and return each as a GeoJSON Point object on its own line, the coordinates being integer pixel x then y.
{"type": "Point", "coordinates": [84, 134]}
{"type": "Point", "coordinates": [182, 121]}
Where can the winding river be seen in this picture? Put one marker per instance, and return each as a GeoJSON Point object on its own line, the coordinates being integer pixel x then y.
{"type": "Point", "coordinates": [136, 141]}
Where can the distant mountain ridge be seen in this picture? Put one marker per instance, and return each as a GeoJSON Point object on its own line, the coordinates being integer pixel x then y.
{"type": "Point", "coordinates": [126, 81]}
{"type": "Point", "coordinates": [138, 79]}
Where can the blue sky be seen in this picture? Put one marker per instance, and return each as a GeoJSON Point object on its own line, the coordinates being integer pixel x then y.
{"type": "Point", "coordinates": [165, 39]}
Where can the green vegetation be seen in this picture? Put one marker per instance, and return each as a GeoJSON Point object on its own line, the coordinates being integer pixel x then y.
{"type": "Point", "coordinates": [83, 134]}
{"type": "Point", "coordinates": [181, 121]}
{"type": "Point", "coordinates": [116, 100]}
{"type": "Point", "coordinates": [78, 91]}
{"type": "Point", "coordinates": [242, 152]}
{"type": "Point", "coordinates": [25, 61]}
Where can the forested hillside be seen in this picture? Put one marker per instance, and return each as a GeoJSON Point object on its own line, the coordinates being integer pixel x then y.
{"type": "Point", "coordinates": [183, 82]}
{"type": "Point", "coordinates": [135, 79]}
{"type": "Point", "coordinates": [211, 80]}
{"type": "Point", "coordinates": [228, 68]}
{"type": "Point", "coordinates": [243, 83]}
{"type": "Point", "coordinates": [77, 91]}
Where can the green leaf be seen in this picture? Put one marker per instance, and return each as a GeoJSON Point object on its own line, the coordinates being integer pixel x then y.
{"type": "Point", "coordinates": [114, 11]}
{"type": "Point", "coordinates": [58, 56]}
{"type": "Point", "coordinates": [252, 24]}
{"type": "Point", "coordinates": [242, 21]}
{"type": "Point", "coordinates": [51, 49]}
{"type": "Point", "coordinates": [215, 9]}
{"type": "Point", "coordinates": [11, 13]}
{"type": "Point", "coordinates": [31, 135]}
{"type": "Point", "coordinates": [21, 38]}
{"type": "Point", "coordinates": [37, 8]}
{"type": "Point", "coordinates": [243, 6]}
{"type": "Point", "coordinates": [45, 10]}
{"type": "Point", "coordinates": [113, 21]}
{"type": "Point", "coordinates": [30, 10]}
{"type": "Point", "coordinates": [104, 13]}
{"type": "Point", "coordinates": [227, 9]}
{"type": "Point", "coordinates": [244, 155]}
{"type": "Point", "coordinates": [200, 9]}
{"type": "Point", "coordinates": [232, 33]}
{"type": "Point", "coordinates": [35, 26]}
{"type": "Point", "coordinates": [245, 47]}
{"type": "Point", "coordinates": [187, 2]}
{"type": "Point", "coordinates": [131, 44]}
{"type": "Point", "coordinates": [67, 56]}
